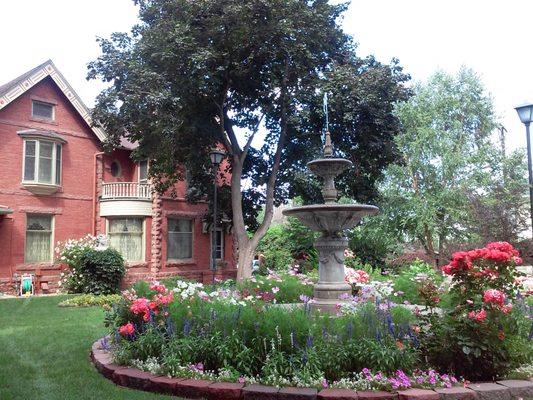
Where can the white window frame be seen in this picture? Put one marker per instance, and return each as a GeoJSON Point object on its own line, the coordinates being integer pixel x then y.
{"type": "Point", "coordinates": [192, 239]}
{"type": "Point", "coordinates": [36, 166]}
{"type": "Point", "coordinates": [143, 237]}
{"type": "Point", "coordinates": [139, 171]}
{"type": "Point", "coordinates": [53, 118]}
{"type": "Point", "coordinates": [52, 235]}
{"type": "Point", "coordinates": [221, 244]}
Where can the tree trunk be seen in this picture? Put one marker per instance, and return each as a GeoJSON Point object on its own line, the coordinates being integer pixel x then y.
{"type": "Point", "coordinates": [246, 257]}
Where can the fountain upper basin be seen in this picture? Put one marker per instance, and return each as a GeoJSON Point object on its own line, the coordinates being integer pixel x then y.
{"type": "Point", "coordinates": [328, 166]}
{"type": "Point", "coordinates": [331, 218]}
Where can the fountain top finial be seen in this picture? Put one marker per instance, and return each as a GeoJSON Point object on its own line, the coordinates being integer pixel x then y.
{"type": "Point", "coordinates": [328, 147]}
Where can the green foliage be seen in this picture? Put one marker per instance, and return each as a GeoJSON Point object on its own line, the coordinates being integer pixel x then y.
{"type": "Point", "coordinates": [446, 154]}
{"type": "Point", "coordinates": [286, 244]}
{"type": "Point", "coordinates": [410, 279]}
{"type": "Point", "coordinates": [91, 300]}
{"type": "Point", "coordinates": [290, 287]}
{"type": "Point", "coordinates": [278, 345]}
{"type": "Point", "coordinates": [196, 74]}
{"type": "Point", "coordinates": [100, 271]}
{"type": "Point", "coordinates": [372, 242]}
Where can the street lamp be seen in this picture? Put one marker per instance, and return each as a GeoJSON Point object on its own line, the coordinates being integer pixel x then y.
{"type": "Point", "coordinates": [216, 157]}
{"type": "Point", "coordinates": [525, 113]}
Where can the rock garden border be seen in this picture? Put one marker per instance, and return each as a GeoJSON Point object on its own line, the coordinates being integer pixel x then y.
{"type": "Point", "coordinates": [204, 389]}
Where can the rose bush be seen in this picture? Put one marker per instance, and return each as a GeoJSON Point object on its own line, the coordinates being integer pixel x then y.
{"type": "Point", "coordinates": [479, 336]}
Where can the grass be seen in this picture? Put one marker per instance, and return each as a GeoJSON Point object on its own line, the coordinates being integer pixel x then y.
{"type": "Point", "coordinates": [44, 352]}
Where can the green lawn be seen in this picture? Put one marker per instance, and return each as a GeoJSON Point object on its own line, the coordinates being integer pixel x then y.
{"type": "Point", "coordinates": [44, 353]}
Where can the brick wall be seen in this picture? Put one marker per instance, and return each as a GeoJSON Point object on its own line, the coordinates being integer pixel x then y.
{"type": "Point", "coordinates": [72, 206]}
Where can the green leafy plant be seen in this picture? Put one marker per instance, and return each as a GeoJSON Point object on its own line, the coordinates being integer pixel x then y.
{"type": "Point", "coordinates": [91, 300]}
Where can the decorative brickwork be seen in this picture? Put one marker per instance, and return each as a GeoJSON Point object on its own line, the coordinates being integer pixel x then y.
{"type": "Point", "coordinates": [157, 236]}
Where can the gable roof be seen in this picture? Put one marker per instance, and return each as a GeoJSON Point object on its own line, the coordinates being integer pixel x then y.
{"type": "Point", "coordinates": [13, 89]}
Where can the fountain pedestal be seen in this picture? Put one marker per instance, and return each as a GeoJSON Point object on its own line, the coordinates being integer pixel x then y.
{"type": "Point", "coordinates": [331, 287]}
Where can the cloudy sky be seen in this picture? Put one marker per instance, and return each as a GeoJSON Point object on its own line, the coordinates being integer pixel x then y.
{"type": "Point", "coordinates": [490, 36]}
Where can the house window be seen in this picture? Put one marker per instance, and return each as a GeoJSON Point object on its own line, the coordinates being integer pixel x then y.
{"type": "Point", "coordinates": [217, 239]}
{"type": "Point", "coordinates": [143, 171]}
{"type": "Point", "coordinates": [42, 162]}
{"type": "Point", "coordinates": [126, 235]}
{"type": "Point", "coordinates": [179, 240]}
{"type": "Point", "coordinates": [115, 169]}
{"type": "Point", "coordinates": [39, 230]}
{"type": "Point", "coordinates": [42, 110]}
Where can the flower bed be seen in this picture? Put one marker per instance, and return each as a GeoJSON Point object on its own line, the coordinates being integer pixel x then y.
{"type": "Point", "coordinates": [237, 334]}
{"type": "Point", "coordinates": [212, 390]}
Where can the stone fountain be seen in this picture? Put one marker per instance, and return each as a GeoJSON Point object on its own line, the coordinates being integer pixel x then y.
{"type": "Point", "coordinates": [331, 220]}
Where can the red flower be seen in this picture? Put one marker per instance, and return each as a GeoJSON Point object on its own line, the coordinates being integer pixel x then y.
{"type": "Point", "coordinates": [517, 260]}
{"type": "Point", "coordinates": [504, 247]}
{"type": "Point", "coordinates": [139, 306]}
{"type": "Point", "coordinates": [494, 296]}
{"type": "Point", "coordinates": [478, 316]}
{"type": "Point", "coordinates": [126, 330]}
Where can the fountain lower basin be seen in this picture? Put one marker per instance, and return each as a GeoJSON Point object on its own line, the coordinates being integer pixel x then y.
{"type": "Point", "coordinates": [331, 219]}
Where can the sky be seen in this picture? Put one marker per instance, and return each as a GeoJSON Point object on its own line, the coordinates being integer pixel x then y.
{"type": "Point", "coordinates": [490, 36]}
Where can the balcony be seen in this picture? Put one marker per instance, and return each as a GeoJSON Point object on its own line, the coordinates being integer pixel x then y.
{"type": "Point", "coordinates": [126, 190]}
{"type": "Point", "coordinates": [126, 199]}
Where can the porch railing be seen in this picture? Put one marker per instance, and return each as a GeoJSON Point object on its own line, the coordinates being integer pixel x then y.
{"type": "Point", "coordinates": [126, 190]}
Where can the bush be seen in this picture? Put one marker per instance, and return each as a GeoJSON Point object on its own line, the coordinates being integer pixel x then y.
{"type": "Point", "coordinates": [90, 300]}
{"type": "Point", "coordinates": [286, 244]}
{"type": "Point", "coordinates": [102, 271]}
{"type": "Point", "coordinates": [482, 335]}
{"type": "Point", "coordinates": [91, 267]}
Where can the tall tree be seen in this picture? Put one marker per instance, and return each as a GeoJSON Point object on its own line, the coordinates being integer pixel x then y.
{"type": "Point", "coordinates": [197, 73]}
{"type": "Point", "coordinates": [446, 153]}
{"type": "Point", "coordinates": [500, 210]}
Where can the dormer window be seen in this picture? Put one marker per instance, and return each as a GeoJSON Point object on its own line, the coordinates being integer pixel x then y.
{"type": "Point", "coordinates": [42, 110]}
{"type": "Point", "coordinates": [41, 171]}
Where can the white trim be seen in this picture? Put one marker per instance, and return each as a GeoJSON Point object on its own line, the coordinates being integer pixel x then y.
{"type": "Point", "coordinates": [49, 69]}
{"type": "Point", "coordinates": [143, 237]}
{"type": "Point", "coordinates": [36, 156]}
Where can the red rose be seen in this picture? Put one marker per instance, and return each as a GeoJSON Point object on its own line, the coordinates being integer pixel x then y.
{"type": "Point", "coordinates": [126, 330]}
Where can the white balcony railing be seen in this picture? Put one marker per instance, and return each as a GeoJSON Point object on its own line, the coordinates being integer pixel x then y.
{"type": "Point", "coordinates": [126, 190]}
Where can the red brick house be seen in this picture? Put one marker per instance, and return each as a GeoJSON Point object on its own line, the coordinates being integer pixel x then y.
{"type": "Point", "coordinates": [58, 184]}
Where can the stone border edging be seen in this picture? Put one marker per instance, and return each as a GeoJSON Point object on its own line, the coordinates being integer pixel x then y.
{"type": "Point", "coordinates": [204, 389]}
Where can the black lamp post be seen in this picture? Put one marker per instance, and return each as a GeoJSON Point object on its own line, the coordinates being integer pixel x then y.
{"type": "Point", "coordinates": [525, 113]}
{"type": "Point", "coordinates": [216, 157]}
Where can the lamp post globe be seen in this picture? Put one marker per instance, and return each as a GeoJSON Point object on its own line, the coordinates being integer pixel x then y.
{"type": "Point", "coordinates": [525, 113]}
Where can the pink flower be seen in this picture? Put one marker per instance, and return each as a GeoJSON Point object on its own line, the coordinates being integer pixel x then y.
{"type": "Point", "coordinates": [126, 330]}
{"type": "Point", "coordinates": [139, 306]}
{"type": "Point", "coordinates": [478, 316]}
{"type": "Point", "coordinates": [507, 308]}
{"type": "Point", "coordinates": [494, 296]}
{"type": "Point", "coordinates": [157, 287]}
{"type": "Point", "coordinates": [275, 289]}
{"type": "Point", "coordinates": [355, 276]}
{"type": "Point", "coordinates": [324, 383]}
